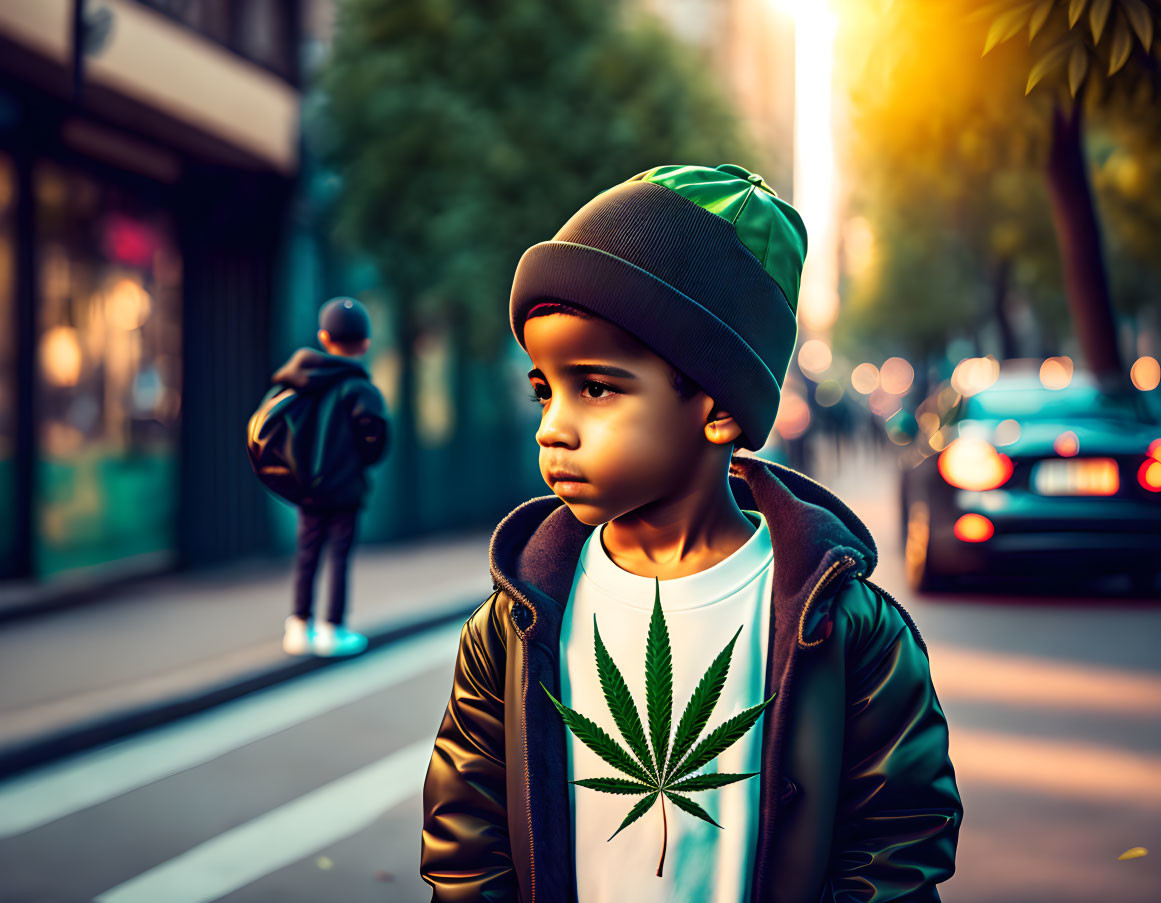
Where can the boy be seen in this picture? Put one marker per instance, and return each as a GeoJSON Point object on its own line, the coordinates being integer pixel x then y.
{"type": "Point", "coordinates": [660, 321]}
{"type": "Point", "coordinates": [351, 421]}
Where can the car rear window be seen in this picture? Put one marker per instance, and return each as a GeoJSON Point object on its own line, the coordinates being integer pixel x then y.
{"type": "Point", "coordinates": [1055, 404]}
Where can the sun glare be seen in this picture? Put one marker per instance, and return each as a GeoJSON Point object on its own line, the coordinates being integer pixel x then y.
{"type": "Point", "coordinates": [815, 25]}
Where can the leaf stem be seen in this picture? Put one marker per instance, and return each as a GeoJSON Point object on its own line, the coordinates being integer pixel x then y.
{"type": "Point", "coordinates": [664, 836]}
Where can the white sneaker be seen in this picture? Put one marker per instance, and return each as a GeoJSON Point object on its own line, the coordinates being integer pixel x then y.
{"type": "Point", "coordinates": [333, 639]}
{"type": "Point", "coordinates": [295, 636]}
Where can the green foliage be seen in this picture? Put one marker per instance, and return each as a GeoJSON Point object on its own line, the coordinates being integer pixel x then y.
{"type": "Point", "coordinates": [467, 130]}
{"type": "Point", "coordinates": [1091, 48]}
{"type": "Point", "coordinates": [666, 773]}
{"type": "Point", "coordinates": [948, 154]}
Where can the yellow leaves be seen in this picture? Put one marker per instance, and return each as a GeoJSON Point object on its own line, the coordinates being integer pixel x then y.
{"type": "Point", "coordinates": [1047, 63]}
{"type": "Point", "coordinates": [1005, 25]}
{"type": "Point", "coordinates": [1039, 17]}
{"type": "Point", "coordinates": [1077, 68]}
{"type": "Point", "coordinates": [1075, 10]}
{"type": "Point", "coordinates": [1122, 45]}
{"type": "Point", "coordinates": [1141, 19]}
{"type": "Point", "coordinates": [1132, 853]}
{"type": "Point", "coordinates": [1097, 17]}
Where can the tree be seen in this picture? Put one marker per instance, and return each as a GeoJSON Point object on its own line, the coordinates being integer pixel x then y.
{"type": "Point", "coordinates": [939, 167]}
{"type": "Point", "coordinates": [466, 130]}
{"type": "Point", "coordinates": [1083, 60]}
{"type": "Point", "coordinates": [947, 146]}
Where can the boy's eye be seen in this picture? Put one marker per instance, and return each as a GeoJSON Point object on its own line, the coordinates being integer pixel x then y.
{"type": "Point", "coordinates": [589, 389]}
{"type": "Point", "coordinates": [597, 390]}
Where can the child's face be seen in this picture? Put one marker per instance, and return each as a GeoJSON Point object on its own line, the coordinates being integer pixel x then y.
{"type": "Point", "coordinates": [614, 434]}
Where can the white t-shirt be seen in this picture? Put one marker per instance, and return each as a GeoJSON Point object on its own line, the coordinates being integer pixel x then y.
{"type": "Point", "coordinates": [702, 611]}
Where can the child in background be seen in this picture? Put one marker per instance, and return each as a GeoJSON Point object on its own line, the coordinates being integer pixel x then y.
{"type": "Point", "coordinates": [351, 420]}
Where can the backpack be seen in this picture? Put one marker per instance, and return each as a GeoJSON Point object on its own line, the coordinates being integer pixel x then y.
{"type": "Point", "coordinates": [281, 441]}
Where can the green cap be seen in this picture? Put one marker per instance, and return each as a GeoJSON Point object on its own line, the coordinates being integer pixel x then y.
{"type": "Point", "coordinates": [769, 228]}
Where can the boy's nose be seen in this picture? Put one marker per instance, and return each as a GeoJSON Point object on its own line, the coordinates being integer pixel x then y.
{"type": "Point", "coordinates": [554, 428]}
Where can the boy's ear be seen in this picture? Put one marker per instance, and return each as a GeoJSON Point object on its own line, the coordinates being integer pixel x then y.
{"type": "Point", "coordinates": [323, 336]}
{"type": "Point", "coordinates": [721, 428]}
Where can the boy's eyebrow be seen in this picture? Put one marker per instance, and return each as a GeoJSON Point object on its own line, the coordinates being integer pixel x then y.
{"type": "Point", "coordinates": [580, 369]}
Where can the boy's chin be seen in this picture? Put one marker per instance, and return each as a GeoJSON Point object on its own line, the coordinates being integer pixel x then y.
{"type": "Point", "coordinates": [590, 515]}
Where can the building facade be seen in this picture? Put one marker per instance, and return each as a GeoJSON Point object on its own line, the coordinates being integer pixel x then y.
{"type": "Point", "coordinates": [148, 151]}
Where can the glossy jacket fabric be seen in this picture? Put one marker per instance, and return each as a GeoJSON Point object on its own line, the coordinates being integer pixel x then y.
{"type": "Point", "coordinates": [858, 794]}
{"type": "Point", "coordinates": [350, 429]}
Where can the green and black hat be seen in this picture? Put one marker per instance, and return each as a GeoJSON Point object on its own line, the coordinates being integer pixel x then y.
{"type": "Point", "coordinates": [701, 264]}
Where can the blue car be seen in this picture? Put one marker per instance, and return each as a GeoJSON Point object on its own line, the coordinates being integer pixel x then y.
{"type": "Point", "coordinates": [1020, 479]}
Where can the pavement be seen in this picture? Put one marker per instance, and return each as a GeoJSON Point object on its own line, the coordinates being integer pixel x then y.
{"type": "Point", "coordinates": [159, 649]}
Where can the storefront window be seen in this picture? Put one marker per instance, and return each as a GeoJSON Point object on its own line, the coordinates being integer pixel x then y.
{"type": "Point", "coordinates": [8, 528]}
{"type": "Point", "coordinates": [109, 366]}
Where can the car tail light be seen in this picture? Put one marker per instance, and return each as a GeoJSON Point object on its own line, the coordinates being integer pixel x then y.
{"type": "Point", "coordinates": [1149, 474]}
{"type": "Point", "coordinates": [970, 463]}
{"type": "Point", "coordinates": [973, 528]}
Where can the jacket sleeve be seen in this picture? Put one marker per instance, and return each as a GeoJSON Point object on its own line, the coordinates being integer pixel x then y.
{"type": "Point", "coordinates": [369, 421]}
{"type": "Point", "coordinates": [465, 853]}
{"type": "Point", "coordinates": [899, 811]}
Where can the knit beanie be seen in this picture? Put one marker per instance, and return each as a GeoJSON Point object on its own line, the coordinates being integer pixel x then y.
{"type": "Point", "coordinates": [701, 264]}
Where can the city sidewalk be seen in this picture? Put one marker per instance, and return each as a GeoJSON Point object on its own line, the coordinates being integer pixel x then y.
{"type": "Point", "coordinates": [161, 649]}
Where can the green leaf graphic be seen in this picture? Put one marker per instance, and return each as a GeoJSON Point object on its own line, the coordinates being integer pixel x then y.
{"type": "Point", "coordinates": [691, 807]}
{"type": "Point", "coordinates": [620, 702]}
{"type": "Point", "coordinates": [659, 776]}
{"type": "Point", "coordinates": [592, 736]}
{"type": "Point", "coordinates": [658, 682]}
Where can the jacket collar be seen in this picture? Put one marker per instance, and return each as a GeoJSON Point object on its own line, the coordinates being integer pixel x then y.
{"type": "Point", "coordinates": [535, 549]}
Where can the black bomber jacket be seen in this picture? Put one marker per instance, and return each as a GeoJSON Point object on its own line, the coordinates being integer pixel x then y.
{"type": "Point", "coordinates": [858, 794]}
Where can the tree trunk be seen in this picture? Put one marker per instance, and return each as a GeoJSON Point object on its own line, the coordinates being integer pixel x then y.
{"type": "Point", "coordinates": [1000, 283]}
{"type": "Point", "coordinates": [1078, 236]}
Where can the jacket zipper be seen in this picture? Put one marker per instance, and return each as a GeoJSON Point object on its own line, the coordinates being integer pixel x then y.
{"type": "Point", "coordinates": [844, 564]}
{"type": "Point", "coordinates": [527, 779]}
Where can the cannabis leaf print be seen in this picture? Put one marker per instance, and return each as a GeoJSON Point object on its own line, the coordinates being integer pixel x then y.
{"type": "Point", "coordinates": [657, 770]}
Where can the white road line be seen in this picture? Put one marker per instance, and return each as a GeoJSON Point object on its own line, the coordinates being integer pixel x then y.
{"type": "Point", "coordinates": [282, 836]}
{"type": "Point", "coordinates": [29, 801]}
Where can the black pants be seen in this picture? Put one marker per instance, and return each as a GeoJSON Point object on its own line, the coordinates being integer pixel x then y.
{"type": "Point", "coordinates": [337, 529]}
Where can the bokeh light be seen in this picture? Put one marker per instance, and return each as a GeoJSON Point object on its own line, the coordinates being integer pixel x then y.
{"type": "Point", "coordinates": [896, 376]}
{"type": "Point", "coordinates": [1146, 373]}
{"type": "Point", "coordinates": [60, 356]}
{"type": "Point", "coordinates": [1066, 444]}
{"type": "Point", "coordinates": [974, 374]}
{"type": "Point", "coordinates": [828, 393]}
{"type": "Point", "coordinates": [884, 403]}
{"type": "Point", "coordinates": [1056, 372]}
{"type": "Point", "coordinates": [793, 416]}
{"type": "Point", "coordinates": [814, 356]}
{"type": "Point", "coordinates": [1007, 432]}
{"type": "Point", "coordinates": [127, 305]}
{"type": "Point", "coordinates": [865, 378]}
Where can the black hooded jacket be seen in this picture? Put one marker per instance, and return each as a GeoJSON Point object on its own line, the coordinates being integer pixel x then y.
{"type": "Point", "coordinates": [858, 795]}
{"type": "Point", "coordinates": [351, 425]}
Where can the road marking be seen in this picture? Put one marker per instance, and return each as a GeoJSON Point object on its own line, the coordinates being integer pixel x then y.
{"type": "Point", "coordinates": [282, 836]}
{"type": "Point", "coordinates": [30, 801]}
{"type": "Point", "coordinates": [1044, 683]}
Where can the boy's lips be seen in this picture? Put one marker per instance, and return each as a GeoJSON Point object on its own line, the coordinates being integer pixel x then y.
{"type": "Point", "coordinates": [564, 476]}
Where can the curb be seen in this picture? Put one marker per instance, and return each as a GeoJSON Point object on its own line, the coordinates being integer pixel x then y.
{"type": "Point", "coordinates": [117, 725]}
